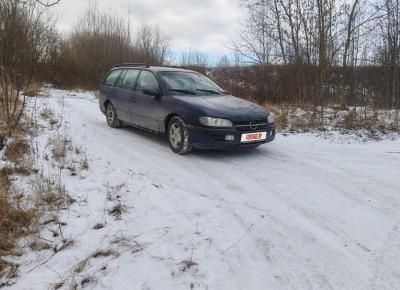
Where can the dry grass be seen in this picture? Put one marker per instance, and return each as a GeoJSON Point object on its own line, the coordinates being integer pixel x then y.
{"type": "Point", "coordinates": [105, 253]}
{"type": "Point", "coordinates": [17, 218]}
{"type": "Point", "coordinates": [6, 172]}
{"type": "Point", "coordinates": [46, 113]}
{"type": "Point", "coordinates": [187, 264]}
{"type": "Point", "coordinates": [60, 148]}
{"type": "Point", "coordinates": [51, 194]}
{"type": "Point", "coordinates": [87, 281]}
{"type": "Point", "coordinates": [38, 245]}
{"type": "Point", "coordinates": [7, 270]}
{"type": "Point", "coordinates": [280, 114]}
{"type": "Point", "coordinates": [351, 121]}
{"type": "Point", "coordinates": [5, 182]}
{"type": "Point", "coordinates": [80, 267]}
{"type": "Point", "coordinates": [84, 164]}
{"type": "Point", "coordinates": [17, 150]}
{"type": "Point", "coordinates": [33, 89]}
{"type": "Point", "coordinates": [59, 151]}
{"type": "Point", "coordinates": [22, 215]}
{"type": "Point", "coordinates": [59, 285]}
{"type": "Point", "coordinates": [14, 222]}
{"type": "Point", "coordinates": [66, 243]}
{"type": "Point", "coordinates": [117, 210]}
{"type": "Point", "coordinates": [72, 169]}
{"type": "Point", "coordinates": [281, 119]}
{"type": "Point", "coordinates": [305, 123]}
{"type": "Point", "coordinates": [98, 226]}
{"type": "Point", "coordinates": [306, 117]}
{"type": "Point", "coordinates": [2, 138]}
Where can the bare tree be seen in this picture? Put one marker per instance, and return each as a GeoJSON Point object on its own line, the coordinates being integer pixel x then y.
{"type": "Point", "coordinates": [100, 40]}
{"type": "Point", "coordinates": [194, 60]}
{"type": "Point", "coordinates": [390, 52]}
{"type": "Point", "coordinates": [24, 36]}
{"type": "Point", "coordinates": [321, 51]}
{"type": "Point", "coordinates": [152, 45]}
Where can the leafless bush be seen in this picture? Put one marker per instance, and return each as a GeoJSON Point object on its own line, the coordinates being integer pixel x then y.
{"type": "Point", "coordinates": [151, 45]}
{"type": "Point", "coordinates": [25, 32]}
{"type": "Point", "coordinates": [98, 42]}
{"type": "Point", "coordinates": [194, 60]}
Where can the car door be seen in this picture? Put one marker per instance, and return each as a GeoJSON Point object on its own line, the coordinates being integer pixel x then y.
{"type": "Point", "coordinates": [107, 88]}
{"type": "Point", "coordinates": [145, 107]}
{"type": "Point", "coordinates": [124, 93]}
{"type": "Point", "coordinates": [116, 93]}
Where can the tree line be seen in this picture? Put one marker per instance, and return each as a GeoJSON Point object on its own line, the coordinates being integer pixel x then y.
{"type": "Point", "coordinates": [321, 52]}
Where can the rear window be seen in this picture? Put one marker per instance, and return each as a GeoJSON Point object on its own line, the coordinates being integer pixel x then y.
{"type": "Point", "coordinates": [112, 77]}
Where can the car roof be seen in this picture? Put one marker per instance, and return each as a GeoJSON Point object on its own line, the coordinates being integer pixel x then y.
{"type": "Point", "coordinates": [154, 68]}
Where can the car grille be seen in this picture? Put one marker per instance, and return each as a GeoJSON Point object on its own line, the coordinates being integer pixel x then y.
{"type": "Point", "coordinates": [255, 125]}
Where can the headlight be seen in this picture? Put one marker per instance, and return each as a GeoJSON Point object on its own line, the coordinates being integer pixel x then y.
{"type": "Point", "coordinates": [270, 119]}
{"type": "Point", "coordinates": [215, 122]}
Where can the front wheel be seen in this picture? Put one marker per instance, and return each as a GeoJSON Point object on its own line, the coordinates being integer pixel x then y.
{"type": "Point", "coordinates": [112, 118]}
{"type": "Point", "coordinates": [178, 136]}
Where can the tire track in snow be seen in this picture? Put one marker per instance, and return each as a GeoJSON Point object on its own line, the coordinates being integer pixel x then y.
{"type": "Point", "coordinates": [387, 263]}
{"type": "Point", "coordinates": [264, 234]}
{"type": "Point", "coordinates": [309, 283]}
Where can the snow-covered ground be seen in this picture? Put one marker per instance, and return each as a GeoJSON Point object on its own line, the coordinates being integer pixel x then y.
{"type": "Point", "coordinates": [302, 212]}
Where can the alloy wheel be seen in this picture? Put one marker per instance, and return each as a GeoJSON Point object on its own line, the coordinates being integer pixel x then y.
{"type": "Point", "coordinates": [175, 135]}
{"type": "Point", "coordinates": [110, 114]}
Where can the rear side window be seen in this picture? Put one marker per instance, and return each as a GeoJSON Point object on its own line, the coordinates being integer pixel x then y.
{"type": "Point", "coordinates": [120, 78]}
{"type": "Point", "coordinates": [147, 81]}
{"type": "Point", "coordinates": [130, 79]}
{"type": "Point", "coordinates": [112, 77]}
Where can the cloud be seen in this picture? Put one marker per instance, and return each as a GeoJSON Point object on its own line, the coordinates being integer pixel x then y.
{"type": "Point", "coordinates": [204, 25]}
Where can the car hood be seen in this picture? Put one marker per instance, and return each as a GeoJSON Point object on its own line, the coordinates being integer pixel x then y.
{"type": "Point", "coordinates": [225, 106]}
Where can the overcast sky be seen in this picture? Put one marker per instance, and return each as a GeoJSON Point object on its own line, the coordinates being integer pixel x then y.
{"type": "Point", "coordinates": [206, 25]}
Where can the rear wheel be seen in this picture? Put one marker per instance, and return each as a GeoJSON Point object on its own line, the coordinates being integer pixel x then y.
{"type": "Point", "coordinates": [112, 118]}
{"type": "Point", "coordinates": [178, 136]}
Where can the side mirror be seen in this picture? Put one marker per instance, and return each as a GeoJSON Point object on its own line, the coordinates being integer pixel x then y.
{"type": "Point", "coordinates": [152, 92]}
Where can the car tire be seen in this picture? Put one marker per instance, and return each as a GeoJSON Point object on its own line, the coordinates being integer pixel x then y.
{"type": "Point", "coordinates": [178, 136]}
{"type": "Point", "coordinates": [112, 117]}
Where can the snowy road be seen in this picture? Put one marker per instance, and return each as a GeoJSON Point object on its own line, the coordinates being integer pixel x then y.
{"type": "Point", "coordinates": [299, 213]}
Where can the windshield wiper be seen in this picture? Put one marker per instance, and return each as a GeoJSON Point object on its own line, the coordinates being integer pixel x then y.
{"type": "Point", "coordinates": [211, 91]}
{"type": "Point", "coordinates": [182, 91]}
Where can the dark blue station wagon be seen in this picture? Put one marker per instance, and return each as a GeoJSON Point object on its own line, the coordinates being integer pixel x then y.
{"type": "Point", "coordinates": [188, 107]}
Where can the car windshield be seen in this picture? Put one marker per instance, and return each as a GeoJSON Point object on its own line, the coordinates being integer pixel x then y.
{"type": "Point", "coordinates": [189, 83]}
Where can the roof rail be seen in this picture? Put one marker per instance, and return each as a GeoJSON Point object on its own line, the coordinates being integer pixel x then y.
{"type": "Point", "coordinates": [132, 64]}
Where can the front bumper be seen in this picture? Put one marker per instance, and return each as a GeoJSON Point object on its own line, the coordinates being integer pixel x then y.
{"type": "Point", "coordinates": [214, 138]}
